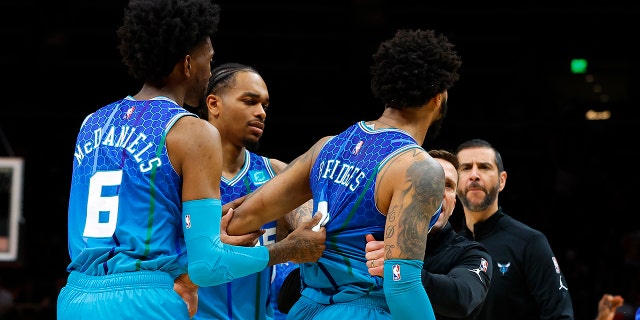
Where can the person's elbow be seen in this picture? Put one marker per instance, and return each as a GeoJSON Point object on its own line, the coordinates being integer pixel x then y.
{"type": "Point", "coordinates": [201, 274]}
{"type": "Point", "coordinates": [460, 310]}
{"type": "Point", "coordinates": [455, 308]}
{"type": "Point", "coordinates": [458, 299]}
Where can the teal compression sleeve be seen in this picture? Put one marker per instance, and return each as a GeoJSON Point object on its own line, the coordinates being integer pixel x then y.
{"type": "Point", "coordinates": [212, 262]}
{"type": "Point", "coordinates": [404, 291]}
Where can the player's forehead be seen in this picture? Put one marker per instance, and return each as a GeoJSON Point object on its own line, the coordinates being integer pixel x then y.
{"type": "Point", "coordinates": [250, 84]}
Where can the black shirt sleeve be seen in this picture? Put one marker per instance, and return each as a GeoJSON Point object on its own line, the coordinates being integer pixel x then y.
{"type": "Point", "coordinates": [460, 291]}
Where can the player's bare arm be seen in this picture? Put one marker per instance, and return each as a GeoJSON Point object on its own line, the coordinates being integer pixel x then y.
{"type": "Point", "coordinates": [282, 226]}
{"type": "Point", "coordinates": [417, 192]}
{"type": "Point", "coordinates": [184, 142]}
{"type": "Point", "coordinates": [192, 143]}
{"type": "Point", "coordinates": [246, 240]}
{"type": "Point", "coordinates": [299, 215]}
{"type": "Point", "coordinates": [283, 193]}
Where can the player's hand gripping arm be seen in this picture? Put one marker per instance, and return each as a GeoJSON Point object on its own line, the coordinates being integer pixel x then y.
{"type": "Point", "coordinates": [194, 147]}
{"type": "Point", "coordinates": [246, 240]}
{"type": "Point", "coordinates": [286, 191]}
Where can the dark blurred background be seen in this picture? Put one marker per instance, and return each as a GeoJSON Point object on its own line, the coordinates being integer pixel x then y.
{"type": "Point", "coordinates": [569, 177]}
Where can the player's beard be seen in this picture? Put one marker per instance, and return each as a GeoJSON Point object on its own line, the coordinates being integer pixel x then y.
{"type": "Point", "coordinates": [251, 145]}
{"type": "Point", "coordinates": [489, 198]}
{"type": "Point", "coordinates": [434, 128]}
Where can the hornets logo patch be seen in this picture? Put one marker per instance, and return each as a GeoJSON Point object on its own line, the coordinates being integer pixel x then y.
{"type": "Point", "coordinates": [258, 177]}
{"type": "Point", "coordinates": [503, 267]}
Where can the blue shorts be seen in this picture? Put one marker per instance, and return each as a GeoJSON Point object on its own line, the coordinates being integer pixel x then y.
{"type": "Point", "coordinates": [131, 295]}
{"type": "Point", "coordinates": [366, 307]}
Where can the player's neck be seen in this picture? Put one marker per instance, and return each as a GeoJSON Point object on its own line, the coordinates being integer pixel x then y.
{"type": "Point", "coordinates": [232, 160]}
{"type": "Point", "coordinates": [148, 92]}
{"type": "Point", "coordinates": [412, 120]}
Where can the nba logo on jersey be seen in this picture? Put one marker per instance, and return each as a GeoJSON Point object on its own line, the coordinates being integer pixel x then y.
{"type": "Point", "coordinates": [129, 112]}
{"type": "Point", "coordinates": [187, 221]}
{"type": "Point", "coordinates": [396, 272]}
{"type": "Point", "coordinates": [356, 150]}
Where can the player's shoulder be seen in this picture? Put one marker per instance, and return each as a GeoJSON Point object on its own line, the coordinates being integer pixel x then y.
{"type": "Point", "coordinates": [194, 127]}
{"type": "Point", "coordinates": [412, 166]}
{"type": "Point", "coordinates": [312, 154]}
{"type": "Point", "coordinates": [192, 134]}
{"type": "Point", "coordinates": [415, 162]}
{"type": "Point", "coordinates": [277, 165]}
{"type": "Point", "coordinates": [321, 142]}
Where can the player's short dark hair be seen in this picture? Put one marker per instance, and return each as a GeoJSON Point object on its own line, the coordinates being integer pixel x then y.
{"type": "Point", "coordinates": [156, 34]}
{"type": "Point", "coordinates": [413, 67]}
{"type": "Point", "coordinates": [222, 78]}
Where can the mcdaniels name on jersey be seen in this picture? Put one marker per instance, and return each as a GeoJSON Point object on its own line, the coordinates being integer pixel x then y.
{"type": "Point", "coordinates": [126, 138]}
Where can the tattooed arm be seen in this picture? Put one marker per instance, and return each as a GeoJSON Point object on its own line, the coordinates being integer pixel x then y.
{"type": "Point", "coordinates": [294, 219]}
{"type": "Point", "coordinates": [412, 185]}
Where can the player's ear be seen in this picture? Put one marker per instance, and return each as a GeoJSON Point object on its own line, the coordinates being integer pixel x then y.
{"type": "Point", "coordinates": [214, 105]}
{"type": "Point", "coordinates": [441, 98]}
{"type": "Point", "coordinates": [186, 64]}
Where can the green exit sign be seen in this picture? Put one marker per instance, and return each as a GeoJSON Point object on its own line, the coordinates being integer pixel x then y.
{"type": "Point", "coordinates": [579, 66]}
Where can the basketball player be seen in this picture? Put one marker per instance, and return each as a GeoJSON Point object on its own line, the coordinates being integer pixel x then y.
{"type": "Point", "coordinates": [454, 266]}
{"type": "Point", "coordinates": [374, 177]}
{"type": "Point", "coordinates": [236, 104]}
{"type": "Point", "coordinates": [145, 186]}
